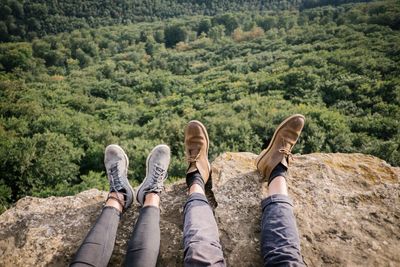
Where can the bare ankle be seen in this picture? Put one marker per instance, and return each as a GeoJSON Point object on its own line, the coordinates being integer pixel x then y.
{"type": "Point", "coordinates": [112, 202]}
{"type": "Point", "coordinates": [152, 199]}
{"type": "Point", "coordinates": [195, 188]}
{"type": "Point", "coordinates": [277, 186]}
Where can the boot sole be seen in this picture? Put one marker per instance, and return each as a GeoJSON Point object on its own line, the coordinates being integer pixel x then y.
{"type": "Point", "coordinates": [265, 151]}
{"type": "Point", "coordinates": [203, 128]}
{"type": "Point", "coordinates": [147, 171]}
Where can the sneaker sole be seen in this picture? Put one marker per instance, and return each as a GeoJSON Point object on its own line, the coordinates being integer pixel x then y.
{"type": "Point", "coordinates": [147, 171]}
{"type": "Point", "coordinates": [203, 128]}
{"type": "Point", "coordinates": [265, 151]}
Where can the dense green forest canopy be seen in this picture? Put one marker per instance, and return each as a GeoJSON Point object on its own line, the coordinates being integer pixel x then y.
{"type": "Point", "coordinates": [64, 97]}
{"type": "Point", "coordinates": [27, 19]}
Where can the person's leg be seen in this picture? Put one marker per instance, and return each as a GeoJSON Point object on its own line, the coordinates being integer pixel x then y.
{"type": "Point", "coordinates": [144, 245]}
{"type": "Point", "coordinates": [280, 243]}
{"type": "Point", "coordinates": [98, 245]}
{"type": "Point", "coordinates": [200, 232]}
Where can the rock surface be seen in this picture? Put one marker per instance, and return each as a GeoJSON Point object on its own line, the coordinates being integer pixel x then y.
{"type": "Point", "coordinates": [347, 209]}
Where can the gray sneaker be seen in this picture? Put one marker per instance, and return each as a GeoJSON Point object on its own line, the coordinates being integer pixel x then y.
{"type": "Point", "coordinates": [156, 172]}
{"type": "Point", "coordinates": [116, 162]}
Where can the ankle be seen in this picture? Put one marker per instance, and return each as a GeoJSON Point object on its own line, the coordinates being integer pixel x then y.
{"type": "Point", "coordinates": [277, 186]}
{"type": "Point", "coordinates": [112, 202]}
{"type": "Point", "coordinates": [279, 170]}
{"type": "Point", "coordinates": [196, 188]}
{"type": "Point", "coordinates": [193, 178]}
{"type": "Point", "coordinates": [151, 199]}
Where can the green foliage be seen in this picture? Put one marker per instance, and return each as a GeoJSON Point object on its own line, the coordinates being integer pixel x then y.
{"type": "Point", "coordinates": [91, 180]}
{"type": "Point", "coordinates": [5, 196]}
{"type": "Point", "coordinates": [25, 20]}
{"type": "Point", "coordinates": [28, 165]}
{"type": "Point", "coordinates": [174, 34]}
{"type": "Point", "coordinates": [229, 21]}
{"type": "Point", "coordinates": [204, 26]}
{"type": "Point", "coordinates": [267, 22]}
{"type": "Point", "coordinates": [217, 32]}
{"type": "Point", "coordinates": [16, 55]}
{"type": "Point", "coordinates": [65, 97]}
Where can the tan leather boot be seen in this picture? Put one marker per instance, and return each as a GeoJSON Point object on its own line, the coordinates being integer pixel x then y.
{"type": "Point", "coordinates": [196, 149]}
{"type": "Point", "coordinates": [280, 147]}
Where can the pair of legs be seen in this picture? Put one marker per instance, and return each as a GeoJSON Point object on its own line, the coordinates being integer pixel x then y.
{"type": "Point", "coordinates": [280, 243]}
{"type": "Point", "coordinates": [201, 240]}
{"type": "Point", "coordinates": [200, 230]}
{"type": "Point", "coordinates": [96, 249]}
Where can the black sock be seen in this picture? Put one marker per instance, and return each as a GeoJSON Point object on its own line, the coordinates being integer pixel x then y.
{"type": "Point", "coordinates": [279, 170]}
{"type": "Point", "coordinates": [194, 178]}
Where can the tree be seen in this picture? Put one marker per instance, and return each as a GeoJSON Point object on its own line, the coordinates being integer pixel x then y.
{"type": "Point", "coordinates": [84, 60]}
{"type": "Point", "coordinates": [228, 20]}
{"type": "Point", "coordinates": [16, 56]}
{"type": "Point", "coordinates": [204, 26]}
{"type": "Point", "coordinates": [34, 25]}
{"type": "Point", "coordinates": [217, 32]}
{"type": "Point", "coordinates": [267, 22]}
{"type": "Point", "coordinates": [5, 11]}
{"type": "Point", "coordinates": [150, 46]}
{"type": "Point", "coordinates": [17, 8]}
{"type": "Point", "coordinates": [174, 34]}
{"type": "Point", "coordinates": [3, 32]}
{"type": "Point", "coordinates": [159, 36]}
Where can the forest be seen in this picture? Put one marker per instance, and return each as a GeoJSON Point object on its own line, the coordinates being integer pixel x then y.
{"type": "Point", "coordinates": [28, 19]}
{"type": "Point", "coordinates": [68, 90]}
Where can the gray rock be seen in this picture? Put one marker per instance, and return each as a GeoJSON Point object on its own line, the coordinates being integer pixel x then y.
{"type": "Point", "coordinates": [347, 209]}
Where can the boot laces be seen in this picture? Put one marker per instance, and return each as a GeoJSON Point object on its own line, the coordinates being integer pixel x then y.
{"type": "Point", "coordinates": [287, 153]}
{"type": "Point", "coordinates": [193, 159]}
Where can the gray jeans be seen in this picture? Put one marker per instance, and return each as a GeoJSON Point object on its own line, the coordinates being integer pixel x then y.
{"type": "Point", "coordinates": [280, 245]}
{"type": "Point", "coordinates": [200, 234]}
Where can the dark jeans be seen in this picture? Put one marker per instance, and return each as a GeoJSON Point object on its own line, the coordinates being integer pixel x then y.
{"type": "Point", "coordinates": [280, 245]}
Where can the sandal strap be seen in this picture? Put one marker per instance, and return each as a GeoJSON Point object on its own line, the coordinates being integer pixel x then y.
{"type": "Point", "coordinates": [121, 202]}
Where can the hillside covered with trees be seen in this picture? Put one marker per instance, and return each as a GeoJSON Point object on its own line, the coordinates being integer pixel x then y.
{"type": "Point", "coordinates": [27, 19]}
{"type": "Point", "coordinates": [64, 97]}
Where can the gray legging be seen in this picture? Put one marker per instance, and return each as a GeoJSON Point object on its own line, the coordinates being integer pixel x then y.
{"type": "Point", "coordinates": [280, 243]}
{"type": "Point", "coordinates": [98, 245]}
{"type": "Point", "coordinates": [143, 247]}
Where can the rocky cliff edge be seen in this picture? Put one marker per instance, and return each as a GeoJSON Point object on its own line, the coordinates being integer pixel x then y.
{"type": "Point", "coordinates": [347, 208]}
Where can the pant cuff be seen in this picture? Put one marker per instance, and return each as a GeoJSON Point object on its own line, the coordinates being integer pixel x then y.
{"type": "Point", "coordinates": [196, 197]}
{"type": "Point", "coordinates": [276, 198]}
